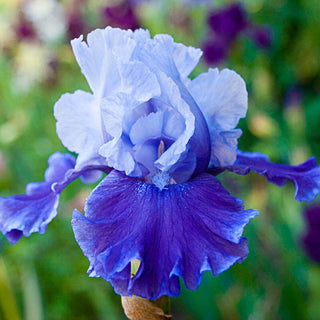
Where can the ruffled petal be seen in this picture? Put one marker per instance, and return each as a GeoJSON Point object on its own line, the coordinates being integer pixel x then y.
{"type": "Point", "coordinates": [180, 231]}
{"type": "Point", "coordinates": [305, 176]}
{"type": "Point", "coordinates": [223, 99]}
{"type": "Point", "coordinates": [162, 55]}
{"type": "Point", "coordinates": [224, 145]}
{"type": "Point", "coordinates": [171, 96]}
{"type": "Point", "coordinates": [98, 57]}
{"type": "Point", "coordinates": [79, 124]}
{"type": "Point", "coordinates": [174, 59]}
{"type": "Point", "coordinates": [31, 212]}
{"type": "Point", "coordinates": [185, 58]}
{"type": "Point", "coordinates": [119, 152]}
{"type": "Point", "coordinates": [138, 82]}
{"type": "Point", "coordinates": [116, 152]}
{"type": "Point", "coordinates": [157, 54]}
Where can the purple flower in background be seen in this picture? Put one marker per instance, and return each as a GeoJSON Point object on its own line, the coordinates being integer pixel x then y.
{"type": "Point", "coordinates": [121, 15]}
{"type": "Point", "coordinates": [311, 239]}
{"type": "Point", "coordinates": [75, 24]}
{"type": "Point", "coordinates": [215, 50]}
{"type": "Point", "coordinates": [229, 21]}
{"type": "Point", "coordinates": [162, 139]}
{"type": "Point", "coordinates": [226, 25]}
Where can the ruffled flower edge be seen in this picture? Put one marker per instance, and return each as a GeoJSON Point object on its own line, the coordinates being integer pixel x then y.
{"type": "Point", "coordinates": [181, 231]}
{"type": "Point", "coordinates": [21, 215]}
{"type": "Point", "coordinates": [305, 176]}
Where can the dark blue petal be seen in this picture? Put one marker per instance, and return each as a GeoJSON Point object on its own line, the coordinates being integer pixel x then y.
{"type": "Point", "coordinates": [31, 212]}
{"type": "Point", "coordinates": [181, 231]}
{"type": "Point", "coordinates": [305, 176]}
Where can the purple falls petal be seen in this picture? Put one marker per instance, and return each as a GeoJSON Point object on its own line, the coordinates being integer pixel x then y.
{"type": "Point", "coordinates": [305, 176]}
{"type": "Point", "coordinates": [181, 231]}
{"type": "Point", "coordinates": [31, 212]}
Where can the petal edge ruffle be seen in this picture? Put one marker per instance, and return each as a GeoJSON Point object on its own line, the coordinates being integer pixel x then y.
{"type": "Point", "coordinates": [180, 231]}
{"type": "Point", "coordinates": [32, 212]}
{"type": "Point", "coordinates": [305, 176]}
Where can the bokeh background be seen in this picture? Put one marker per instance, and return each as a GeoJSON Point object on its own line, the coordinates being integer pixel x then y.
{"type": "Point", "coordinates": [273, 44]}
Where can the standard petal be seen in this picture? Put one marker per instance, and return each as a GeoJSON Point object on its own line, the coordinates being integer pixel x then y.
{"type": "Point", "coordinates": [119, 152]}
{"type": "Point", "coordinates": [223, 100]}
{"type": "Point", "coordinates": [174, 59]}
{"type": "Point", "coordinates": [191, 138]}
{"type": "Point", "coordinates": [180, 231]}
{"type": "Point", "coordinates": [305, 176]}
{"type": "Point", "coordinates": [79, 124]}
{"type": "Point", "coordinates": [157, 54]}
{"type": "Point", "coordinates": [97, 57]}
{"type": "Point", "coordinates": [147, 128]}
{"type": "Point", "coordinates": [138, 82]}
{"type": "Point", "coordinates": [224, 145]}
{"type": "Point", "coordinates": [185, 58]}
{"type": "Point", "coordinates": [31, 212]}
{"type": "Point", "coordinates": [162, 55]}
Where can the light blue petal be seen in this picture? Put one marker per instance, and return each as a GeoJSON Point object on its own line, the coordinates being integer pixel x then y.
{"type": "Point", "coordinates": [223, 99]}
{"type": "Point", "coordinates": [172, 97]}
{"type": "Point", "coordinates": [116, 152]}
{"type": "Point", "coordinates": [161, 55]}
{"type": "Point", "coordinates": [98, 58]}
{"type": "Point", "coordinates": [79, 125]}
{"type": "Point", "coordinates": [118, 155]}
{"type": "Point", "coordinates": [146, 134]}
{"type": "Point", "coordinates": [224, 147]}
{"type": "Point", "coordinates": [145, 155]}
{"type": "Point", "coordinates": [174, 59]}
{"type": "Point", "coordinates": [138, 86]}
{"type": "Point", "coordinates": [173, 124]}
{"type": "Point", "coordinates": [185, 58]}
{"type": "Point", "coordinates": [146, 128]}
{"type": "Point", "coordinates": [138, 82]}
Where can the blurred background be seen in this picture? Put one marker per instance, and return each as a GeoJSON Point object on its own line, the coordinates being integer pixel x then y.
{"type": "Point", "coordinates": [273, 44]}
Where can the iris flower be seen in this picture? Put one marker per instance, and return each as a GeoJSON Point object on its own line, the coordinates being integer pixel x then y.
{"type": "Point", "coordinates": [226, 24]}
{"type": "Point", "coordinates": [162, 139]}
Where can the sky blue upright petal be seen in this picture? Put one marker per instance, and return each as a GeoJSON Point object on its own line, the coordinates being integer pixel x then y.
{"type": "Point", "coordinates": [79, 125]}
{"type": "Point", "coordinates": [162, 55]}
{"type": "Point", "coordinates": [98, 57]}
{"type": "Point", "coordinates": [223, 99]}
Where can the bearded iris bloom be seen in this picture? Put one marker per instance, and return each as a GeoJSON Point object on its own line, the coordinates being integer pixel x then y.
{"type": "Point", "coordinates": [162, 139]}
